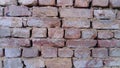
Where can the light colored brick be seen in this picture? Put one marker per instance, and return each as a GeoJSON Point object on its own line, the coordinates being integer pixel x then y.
{"type": "Point", "coordinates": [12, 52]}
{"type": "Point", "coordinates": [8, 2]}
{"type": "Point", "coordinates": [64, 2]}
{"type": "Point", "coordinates": [39, 32]}
{"type": "Point", "coordinates": [118, 15]}
{"type": "Point", "coordinates": [43, 22]}
{"type": "Point", "coordinates": [75, 12]}
{"type": "Point", "coordinates": [76, 23]}
{"type": "Point", "coordinates": [5, 32]}
{"type": "Point", "coordinates": [1, 54]}
{"type": "Point", "coordinates": [82, 3]}
{"type": "Point", "coordinates": [115, 3]}
{"type": "Point", "coordinates": [1, 64]}
{"type": "Point", "coordinates": [55, 33]}
{"type": "Point", "coordinates": [72, 33]}
{"type": "Point", "coordinates": [28, 2]}
{"type": "Point", "coordinates": [58, 63]}
{"type": "Point", "coordinates": [44, 11]}
{"type": "Point", "coordinates": [1, 11]}
{"type": "Point", "coordinates": [46, 2]}
{"type": "Point", "coordinates": [112, 62]}
{"type": "Point", "coordinates": [114, 52]}
{"type": "Point", "coordinates": [17, 11]}
{"type": "Point", "coordinates": [65, 52]}
{"type": "Point", "coordinates": [117, 34]}
{"type": "Point", "coordinates": [101, 3]}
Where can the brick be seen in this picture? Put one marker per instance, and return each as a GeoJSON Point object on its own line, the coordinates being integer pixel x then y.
{"type": "Point", "coordinates": [13, 63]}
{"type": "Point", "coordinates": [12, 52]}
{"type": "Point", "coordinates": [11, 22]}
{"type": "Point", "coordinates": [1, 54]}
{"type": "Point", "coordinates": [21, 32]}
{"type": "Point", "coordinates": [39, 32]}
{"type": "Point", "coordinates": [8, 2]}
{"type": "Point", "coordinates": [64, 2]}
{"type": "Point", "coordinates": [115, 3]}
{"type": "Point", "coordinates": [48, 51]}
{"type": "Point", "coordinates": [1, 11]}
{"type": "Point", "coordinates": [75, 12]}
{"type": "Point", "coordinates": [87, 63]}
{"type": "Point", "coordinates": [112, 62]}
{"type": "Point", "coordinates": [65, 52]}
{"type": "Point", "coordinates": [82, 53]}
{"type": "Point", "coordinates": [114, 52]}
{"type": "Point", "coordinates": [49, 42]}
{"type": "Point", "coordinates": [100, 53]}
{"type": "Point", "coordinates": [43, 22]}
{"type": "Point", "coordinates": [118, 15]}
{"type": "Point", "coordinates": [105, 34]}
{"type": "Point", "coordinates": [72, 33]}
{"type": "Point", "coordinates": [117, 34]}
{"type": "Point", "coordinates": [13, 42]}
{"type": "Point", "coordinates": [76, 23]}
{"type": "Point", "coordinates": [82, 3]}
{"type": "Point", "coordinates": [34, 63]}
{"type": "Point", "coordinates": [101, 3]}
{"type": "Point", "coordinates": [109, 43]}
{"type": "Point", "coordinates": [30, 52]}
{"type": "Point", "coordinates": [89, 34]}
{"type": "Point", "coordinates": [1, 64]}
{"type": "Point", "coordinates": [17, 11]}
{"type": "Point", "coordinates": [58, 63]}
{"type": "Point", "coordinates": [44, 11]}
{"type": "Point", "coordinates": [106, 24]}
{"type": "Point", "coordinates": [105, 14]}
{"type": "Point", "coordinates": [28, 2]}
{"type": "Point", "coordinates": [5, 32]}
{"type": "Point", "coordinates": [81, 43]}
{"type": "Point", "coordinates": [46, 2]}
{"type": "Point", "coordinates": [55, 33]}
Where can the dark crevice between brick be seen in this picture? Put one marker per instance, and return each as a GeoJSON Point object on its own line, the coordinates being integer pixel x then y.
{"type": "Point", "coordinates": [31, 43]}
{"type": "Point", "coordinates": [91, 53]}
{"type": "Point", "coordinates": [24, 66]}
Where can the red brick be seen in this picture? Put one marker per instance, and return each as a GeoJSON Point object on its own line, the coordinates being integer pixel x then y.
{"type": "Point", "coordinates": [48, 51]}
{"type": "Point", "coordinates": [44, 11]}
{"type": "Point", "coordinates": [100, 53]}
{"type": "Point", "coordinates": [8, 2]}
{"type": "Point", "coordinates": [65, 52]}
{"type": "Point", "coordinates": [82, 3]}
{"type": "Point", "coordinates": [55, 33]}
{"type": "Point", "coordinates": [27, 2]}
{"type": "Point", "coordinates": [49, 42]}
{"type": "Point", "coordinates": [64, 2]}
{"type": "Point", "coordinates": [75, 12]}
{"type": "Point", "coordinates": [76, 23]}
{"type": "Point", "coordinates": [43, 22]}
{"type": "Point", "coordinates": [46, 2]}
{"type": "Point", "coordinates": [81, 43]}
{"type": "Point", "coordinates": [112, 62]}
{"type": "Point", "coordinates": [115, 3]}
{"type": "Point", "coordinates": [101, 3]}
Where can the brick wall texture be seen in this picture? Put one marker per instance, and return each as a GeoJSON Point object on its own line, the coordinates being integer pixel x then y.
{"type": "Point", "coordinates": [59, 33]}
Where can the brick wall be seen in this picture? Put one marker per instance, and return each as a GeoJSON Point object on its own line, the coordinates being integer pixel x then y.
{"type": "Point", "coordinates": [59, 33]}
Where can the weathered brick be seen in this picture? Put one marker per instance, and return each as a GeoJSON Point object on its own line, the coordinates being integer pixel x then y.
{"type": "Point", "coordinates": [34, 63]}
{"type": "Point", "coordinates": [64, 2]}
{"type": "Point", "coordinates": [13, 42]}
{"type": "Point", "coordinates": [46, 2]}
{"type": "Point", "coordinates": [82, 3]}
{"type": "Point", "coordinates": [1, 11]}
{"type": "Point", "coordinates": [75, 12]}
{"type": "Point", "coordinates": [49, 42]}
{"type": "Point", "coordinates": [11, 22]}
{"type": "Point", "coordinates": [8, 2]}
{"type": "Point", "coordinates": [114, 52]}
{"type": "Point", "coordinates": [30, 52]}
{"type": "Point", "coordinates": [76, 23]}
{"type": "Point", "coordinates": [105, 14]}
{"type": "Point", "coordinates": [12, 52]}
{"type": "Point", "coordinates": [48, 51]}
{"type": "Point", "coordinates": [87, 63]}
{"type": "Point", "coordinates": [44, 11]}
{"type": "Point", "coordinates": [112, 62]}
{"type": "Point", "coordinates": [1, 53]}
{"type": "Point", "coordinates": [115, 3]}
{"type": "Point", "coordinates": [21, 32]}
{"type": "Point", "coordinates": [89, 34]}
{"type": "Point", "coordinates": [72, 33]}
{"type": "Point", "coordinates": [28, 2]}
{"type": "Point", "coordinates": [82, 53]}
{"type": "Point", "coordinates": [106, 24]}
{"type": "Point", "coordinates": [101, 3]}
{"type": "Point", "coordinates": [13, 63]}
{"type": "Point", "coordinates": [65, 52]}
{"type": "Point", "coordinates": [58, 63]}
{"type": "Point", "coordinates": [55, 33]}
{"type": "Point", "coordinates": [105, 34]}
{"type": "Point", "coordinates": [1, 64]}
{"type": "Point", "coordinates": [118, 15]}
{"type": "Point", "coordinates": [39, 32]}
{"type": "Point", "coordinates": [43, 22]}
{"type": "Point", "coordinates": [5, 32]}
{"type": "Point", "coordinates": [81, 43]}
{"type": "Point", "coordinates": [100, 53]}
{"type": "Point", "coordinates": [17, 11]}
{"type": "Point", "coordinates": [117, 34]}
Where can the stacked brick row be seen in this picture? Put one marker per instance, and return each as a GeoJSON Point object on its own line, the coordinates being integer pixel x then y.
{"type": "Point", "coordinates": [60, 34]}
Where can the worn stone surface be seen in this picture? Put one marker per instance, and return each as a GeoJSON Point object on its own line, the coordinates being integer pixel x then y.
{"type": "Point", "coordinates": [4, 32]}
{"type": "Point", "coordinates": [27, 2]}
{"type": "Point", "coordinates": [8, 2]}
{"type": "Point", "coordinates": [46, 2]}
{"type": "Point", "coordinates": [64, 2]}
{"type": "Point", "coordinates": [82, 3]}
{"type": "Point", "coordinates": [101, 3]}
